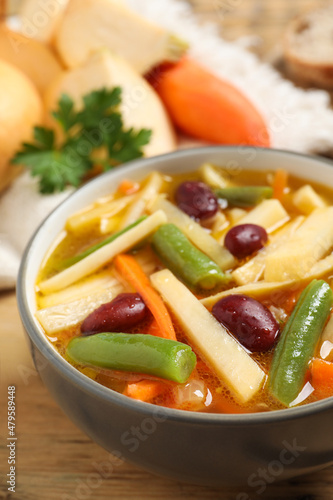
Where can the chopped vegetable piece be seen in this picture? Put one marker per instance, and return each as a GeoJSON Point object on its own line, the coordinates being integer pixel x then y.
{"type": "Point", "coordinates": [64, 316]}
{"type": "Point", "coordinates": [192, 395]}
{"type": "Point", "coordinates": [298, 340]}
{"type": "Point", "coordinates": [209, 108]}
{"type": "Point", "coordinates": [143, 198]}
{"type": "Point", "coordinates": [127, 187]}
{"type": "Point", "coordinates": [185, 260]}
{"type": "Point", "coordinates": [269, 214]}
{"type": "Point", "coordinates": [103, 255]}
{"type": "Point", "coordinates": [221, 351]}
{"type": "Point", "coordinates": [213, 177]}
{"type": "Point", "coordinates": [91, 285]}
{"type": "Point", "coordinates": [314, 237]}
{"type": "Point", "coordinates": [82, 255]}
{"type": "Point", "coordinates": [131, 271]}
{"type": "Point", "coordinates": [280, 183]}
{"type": "Point", "coordinates": [197, 234]}
{"type": "Point", "coordinates": [306, 199]}
{"type": "Point", "coordinates": [236, 214]}
{"type": "Point", "coordinates": [255, 289]}
{"type": "Point", "coordinates": [196, 199]}
{"type": "Point", "coordinates": [244, 196]}
{"type": "Point", "coordinates": [139, 353]}
{"type": "Point", "coordinates": [245, 239]}
{"type": "Point", "coordinates": [254, 268]}
{"type": "Point", "coordinates": [322, 378]}
{"type": "Point", "coordinates": [145, 390]}
{"type": "Point", "coordinates": [84, 220]}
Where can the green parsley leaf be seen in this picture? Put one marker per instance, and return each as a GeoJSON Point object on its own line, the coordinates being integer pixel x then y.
{"type": "Point", "coordinates": [65, 114]}
{"type": "Point", "coordinates": [97, 127]}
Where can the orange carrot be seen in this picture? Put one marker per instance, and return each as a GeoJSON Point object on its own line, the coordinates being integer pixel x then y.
{"type": "Point", "coordinates": [130, 270]}
{"type": "Point", "coordinates": [127, 187]}
{"type": "Point", "coordinates": [280, 183]}
{"type": "Point", "coordinates": [209, 108]}
{"type": "Point", "coordinates": [322, 378]}
{"type": "Point", "coordinates": [145, 390]}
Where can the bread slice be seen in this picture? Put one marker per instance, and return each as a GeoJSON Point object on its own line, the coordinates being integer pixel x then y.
{"type": "Point", "coordinates": [308, 48]}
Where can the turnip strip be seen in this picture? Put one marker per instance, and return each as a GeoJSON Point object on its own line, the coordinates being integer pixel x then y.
{"type": "Point", "coordinates": [253, 270]}
{"type": "Point", "coordinates": [269, 214]}
{"type": "Point", "coordinates": [222, 352]}
{"type": "Point", "coordinates": [103, 255]}
{"type": "Point", "coordinates": [321, 267]}
{"type": "Point", "coordinates": [312, 240]}
{"type": "Point", "coordinates": [93, 216]}
{"type": "Point", "coordinates": [204, 241]}
{"type": "Point", "coordinates": [64, 316]}
{"type": "Point", "coordinates": [88, 286]}
{"type": "Point", "coordinates": [142, 199]}
{"type": "Point", "coordinates": [212, 177]}
{"type": "Point", "coordinates": [306, 199]}
{"type": "Point", "coordinates": [252, 289]}
{"type": "Point", "coordinates": [258, 288]}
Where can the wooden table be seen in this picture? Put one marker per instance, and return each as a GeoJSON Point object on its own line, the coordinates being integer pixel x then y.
{"type": "Point", "coordinates": [54, 459]}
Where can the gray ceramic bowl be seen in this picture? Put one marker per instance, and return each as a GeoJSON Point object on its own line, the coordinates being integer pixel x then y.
{"type": "Point", "coordinates": [250, 449]}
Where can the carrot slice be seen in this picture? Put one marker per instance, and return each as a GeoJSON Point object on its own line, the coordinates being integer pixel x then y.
{"type": "Point", "coordinates": [209, 108]}
{"type": "Point", "coordinates": [280, 183]}
{"type": "Point", "coordinates": [127, 187]}
{"type": "Point", "coordinates": [130, 270]}
{"type": "Point", "coordinates": [145, 390]}
{"type": "Point", "coordinates": [322, 378]}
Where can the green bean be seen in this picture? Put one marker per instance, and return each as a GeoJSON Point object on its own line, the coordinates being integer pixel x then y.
{"type": "Point", "coordinates": [244, 196]}
{"type": "Point", "coordinates": [140, 353]}
{"type": "Point", "coordinates": [298, 341]}
{"type": "Point", "coordinates": [90, 250]}
{"type": "Point", "coordinates": [185, 260]}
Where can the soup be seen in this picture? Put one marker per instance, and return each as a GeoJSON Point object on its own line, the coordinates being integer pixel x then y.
{"type": "Point", "coordinates": [206, 292]}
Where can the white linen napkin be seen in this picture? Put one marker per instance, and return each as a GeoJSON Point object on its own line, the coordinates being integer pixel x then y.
{"type": "Point", "coordinates": [298, 120]}
{"type": "Point", "coordinates": [22, 209]}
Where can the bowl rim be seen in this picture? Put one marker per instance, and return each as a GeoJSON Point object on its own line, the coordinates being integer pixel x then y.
{"type": "Point", "coordinates": [97, 390]}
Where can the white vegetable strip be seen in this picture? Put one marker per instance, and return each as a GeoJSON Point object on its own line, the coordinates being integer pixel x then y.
{"type": "Point", "coordinates": [142, 199]}
{"type": "Point", "coordinates": [253, 270]}
{"type": "Point", "coordinates": [212, 177]}
{"type": "Point", "coordinates": [103, 255]}
{"type": "Point", "coordinates": [323, 266]}
{"type": "Point", "coordinates": [226, 356]}
{"type": "Point", "coordinates": [306, 199]}
{"type": "Point", "coordinates": [252, 289]}
{"type": "Point", "coordinates": [312, 240]}
{"type": "Point", "coordinates": [269, 214]}
{"type": "Point", "coordinates": [203, 240]}
{"type": "Point", "coordinates": [87, 286]}
{"type": "Point", "coordinates": [64, 316]}
{"type": "Point", "coordinates": [94, 215]}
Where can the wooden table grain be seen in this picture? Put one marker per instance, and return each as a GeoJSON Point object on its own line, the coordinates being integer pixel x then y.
{"type": "Point", "coordinates": [55, 461]}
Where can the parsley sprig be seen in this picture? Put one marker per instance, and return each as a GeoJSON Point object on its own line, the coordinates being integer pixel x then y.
{"type": "Point", "coordinates": [94, 135]}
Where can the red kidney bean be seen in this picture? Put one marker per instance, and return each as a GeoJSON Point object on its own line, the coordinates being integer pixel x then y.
{"type": "Point", "coordinates": [248, 320]}
{"type": "Point", "coordinates": [244, 239]}
{"type": "Point", "coordinates": [196, 200]}
{"type": "Point", "coordinates": [123, 312]}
